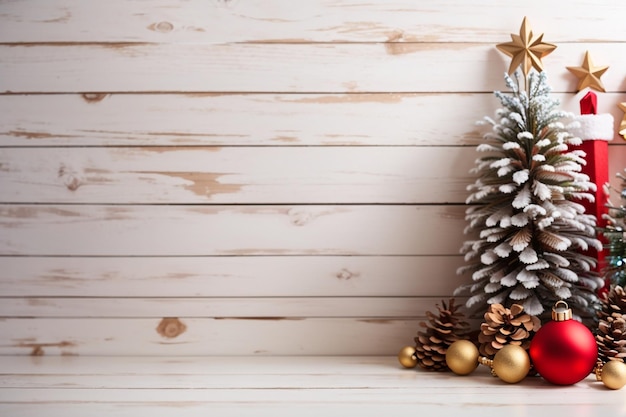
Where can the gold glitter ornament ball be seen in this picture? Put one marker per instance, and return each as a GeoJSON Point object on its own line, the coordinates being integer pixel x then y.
{"type": "Point", "coordinates": [407, 357]}
{"type": "Point", "coordinates": [511, 364]}
{"type": "Point", "coordinates": [462, 357]}
{"type": "Point", "coordinates": [614, 374]}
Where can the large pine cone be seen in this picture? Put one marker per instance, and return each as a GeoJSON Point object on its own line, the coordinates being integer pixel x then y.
{"type": "Point", "coordinates": [441, 331]}
{"type": "Point", "coordinates": [504, 326]}
{"type": "Point", "coordinates": [611, 334]}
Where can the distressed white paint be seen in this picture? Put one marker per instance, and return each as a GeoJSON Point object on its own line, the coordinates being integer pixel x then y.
{"type": "Point", "coordinates": [308, 306]}
{"type": "Point", "coordinates": [230, 276]}
{"type": "Point", "coordinates": [385, 119]}
{"type": "Point", "coordinates": [347, 68]}
{"type": "Point", "coordinates": [283, 180]}
{"type": "Point", "coordinates": [222, 21]}
{"type": "Point", "coordinates": [61, 230]}
{"type": "Point", "coordinates": [241, 119]}
{"type": "Point", "coordinates": [207, 336]}
{"type": "Point", "coordinates": [236, 175]}
{"type": "Point", "coordinates": [243, 175]}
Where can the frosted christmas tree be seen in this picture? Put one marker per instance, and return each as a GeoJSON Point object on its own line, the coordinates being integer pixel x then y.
{"type": "Point", "coordinates": [525, 208]}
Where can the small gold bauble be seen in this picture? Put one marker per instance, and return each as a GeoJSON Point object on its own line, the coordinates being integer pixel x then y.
{"type": "Point", "coordinates": [614, 374]}
{"type": "Point", "coordinates": [407, 357]}
{"type": "Point", "coordinates": [511, 364]}
{"type": "Point", "coordinates": [462, 357]}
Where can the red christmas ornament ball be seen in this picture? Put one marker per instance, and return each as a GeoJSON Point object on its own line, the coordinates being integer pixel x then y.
{"type": "Point", "coordinates": [563, 351]}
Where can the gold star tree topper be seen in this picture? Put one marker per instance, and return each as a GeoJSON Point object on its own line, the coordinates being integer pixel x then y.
{"type": "Point", "coordinates": [526, 50]}
{"type": "Point", "coordinates": [588, 74]}
{"type": "Point", "coordinates": [622, 125]}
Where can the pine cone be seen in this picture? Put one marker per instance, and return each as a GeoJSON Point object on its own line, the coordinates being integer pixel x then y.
{"type": "Point", "coordinates": [614, 301]}
{"type": "Point", "coordinates": [504, 326]}
{"type": "Point", "coordinates": [611, 334]}
{"type": "Point", "coordinates": [441, 331]}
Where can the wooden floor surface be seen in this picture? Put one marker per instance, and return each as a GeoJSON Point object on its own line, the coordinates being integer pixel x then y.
{"type": "Point", "coordinates": [278, 386]}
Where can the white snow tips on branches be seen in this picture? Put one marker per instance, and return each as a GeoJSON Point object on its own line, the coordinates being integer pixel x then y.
{"type": "Point", "coordinates": [524, 210]}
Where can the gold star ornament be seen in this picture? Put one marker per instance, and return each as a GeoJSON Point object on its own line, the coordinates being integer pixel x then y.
{"type": "Point", "coordinates": [526, 50]}
{"type": "Point", "coordinates": [588, 74]}
{"type": "Point", "coordinates": [622, 125]}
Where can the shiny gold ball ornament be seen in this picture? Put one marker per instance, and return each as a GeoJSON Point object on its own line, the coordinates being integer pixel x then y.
{"type": "Point", "coordinates": [612, 374]}
{"type": "Point", "coordinates": [511, 364]}
{"type": "Point", "coordinates": [462, 357]}
{"type": "Point", "coordinates": [407, 357]}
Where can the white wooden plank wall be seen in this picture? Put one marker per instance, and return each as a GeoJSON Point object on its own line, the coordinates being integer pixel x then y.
{"type": "Point", "coordinates": [194, 177]}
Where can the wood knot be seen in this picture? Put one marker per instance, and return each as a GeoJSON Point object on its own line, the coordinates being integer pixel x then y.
{"type": "Point", "coordinates": [300, 217]}
{"type": "Point", "coordinates": [37, 351]}
{"type": "Point", "coordinates": [71, 179]}
{"type": "Point", "coordinates": [396, 36]}
{"type": "Point", "coordinates": [171, 327]}
{"type": "Point", "coordinates": [94, 97]}
{"type": "Point", "coordinates": [345, 274]}
{"type": "Point", "coordinates": [163, 27]}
